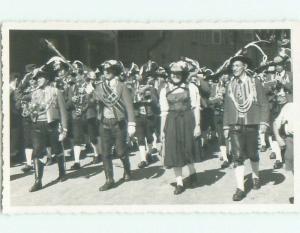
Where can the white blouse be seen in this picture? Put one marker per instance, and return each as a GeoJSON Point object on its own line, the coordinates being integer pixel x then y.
{"type": "Point", "coordinates": [194, 97]}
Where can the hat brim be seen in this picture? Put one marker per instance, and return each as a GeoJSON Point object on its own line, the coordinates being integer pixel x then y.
{"type": "Point", "coordinates": [245, 60]}
{"type": "Point", "coordinates": [43, 74]}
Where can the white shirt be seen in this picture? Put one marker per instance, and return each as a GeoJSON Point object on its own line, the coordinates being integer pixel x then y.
{"type": "Point", "coordinates": [286, 117]}
{"type": "Point", "coordinates": [194, 96]}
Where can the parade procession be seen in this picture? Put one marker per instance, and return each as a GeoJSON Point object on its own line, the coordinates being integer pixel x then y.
{"type": "Point", "coordinates": [69, 115]}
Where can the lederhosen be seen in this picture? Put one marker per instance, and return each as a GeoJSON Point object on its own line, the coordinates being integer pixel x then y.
{"type": "Point", "coordinates": [217, 104]}
{"type": "Point", "coordinates": [145, 119]}
{"type": "Point", "coordinates": [84, 119]}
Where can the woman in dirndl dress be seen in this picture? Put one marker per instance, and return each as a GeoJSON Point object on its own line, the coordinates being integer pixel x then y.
{"type": "Point", "coordinates": [180, 123]}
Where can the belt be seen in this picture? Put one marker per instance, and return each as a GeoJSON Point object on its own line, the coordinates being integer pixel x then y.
{"type": "Point", "coordinates": [111, 121]}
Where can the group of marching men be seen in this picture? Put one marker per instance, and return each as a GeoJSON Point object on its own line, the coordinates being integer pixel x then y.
{"type": "Point", "coordinates": [66, 104]}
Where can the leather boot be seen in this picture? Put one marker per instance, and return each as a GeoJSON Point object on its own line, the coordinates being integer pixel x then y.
{"type": "Point", "coordinates": [61, 168]}
{"type": "Point", "coordinates": [39, 171]}
{"type": "Point", "coordinates": [126, 166]}
{"type": "Point", "coordinates": [108, 170]}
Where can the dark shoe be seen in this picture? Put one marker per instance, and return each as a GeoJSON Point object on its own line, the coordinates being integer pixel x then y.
{"type": "Point", "coordinates": [272, 155]}
{"type": "Point", "coordinates": [277, 164]}
{"type": "Point", "coordinates": [75, 166]}
{"type": "Point", "coordinates": [256, 184]}
{"type": "Point", "coordinates": [27, 168]}
{"type": "Point", "coordinates": [36, 186]}
{"type": "Point", "coordinates": [109, 184]}
{"type": "Point", "coordinates": [178, 189]}
{"type": "Point", "coordinates": [135, 146]}
{"type": "Point", "coordinates": [239, 195]}
{"type": "Point", "coordinates": [225, 164]}
{"type": "Point", "coordinates": [126, 176]}
{"type": "Point", "coordinates": [291, 200]}
{"type": "Point", "coordinates": [193, 181]}
{"type": "Point", "coordinates": [62, 178]}
{"type": "Point", "coordinates": [126, 166]}
{"type": "Point", "coordinates": [149, 157]}
{"type": "Point", "coordinates": [109, 174]}
{"type": "Point", "coordinates": [61, 168]}
{"type": "Point", "coordinates": [96, 159]}
{"type": "Point", "coordinates": [39, 171]}
{"type": "Point", "coordinates": [143, 164]}
{"type": "Point", "coordinates": [154, 151]}
{"type": "Point", "coordinates": [263, 149]}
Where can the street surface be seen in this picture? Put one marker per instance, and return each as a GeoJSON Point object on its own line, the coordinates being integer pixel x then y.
{"type": "Point", "coordinates": [151, 185]}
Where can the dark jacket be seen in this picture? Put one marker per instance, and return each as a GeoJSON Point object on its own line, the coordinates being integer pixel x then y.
{"type": "Point", "coordinates": [125, 97]}
{"type": "Point", "coordinates": [257, 114]}
{"type": "Point", "coordinates": [90, 110]}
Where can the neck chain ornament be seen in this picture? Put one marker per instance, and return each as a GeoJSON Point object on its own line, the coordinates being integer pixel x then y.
{"type": "Point", "coordinates": [243, 107]}
{"type": "Point", "coordinates": [37, 108]}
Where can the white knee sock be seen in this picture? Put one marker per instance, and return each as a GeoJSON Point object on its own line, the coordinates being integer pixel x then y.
{"type": "Point", "coordinates": [223, 153]}
{"type": "Point", "coordinates": [276, 149]}
{"type": "Point", "coordinates": [255, 169]}
{"type": "Point", "coordinates": [191, 168]}
{"type": "Point", "coordinates": [28, 154]}
{"type": "Point", "coordinates": [262, 139]}
{"type": "Point", "coordinates": [178, 175]}
{"type": "Point", "coordinates": [49, 155]}
{"type": "Point", "coordinates": [99, 146]}
{"type": "Point", "coordinates": [150, 146]}
{"type": "Point", "coordinates": [95, 149]}
{"type": "Point", "coordinates": [142, 150]}
{"type": "Point", "coordinates": [77, 150]}
{"type": "Point", "coordinates": [239, 176]}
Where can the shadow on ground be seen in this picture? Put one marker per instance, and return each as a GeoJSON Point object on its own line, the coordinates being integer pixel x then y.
{"type": "Point", "coordinates": [20, 175]}
{"type": "Point", "coordinates": [147, 173]}
{"type": "Point", "coordinates": [266, 176]}
{"type": "Point", "coordinates": [205, 178]}
{"type": "Point", "coordinates": [84, 171]}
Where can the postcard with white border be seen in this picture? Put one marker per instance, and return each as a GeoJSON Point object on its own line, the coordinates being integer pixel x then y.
{"type": "Point", "coordinates": [150, 117]}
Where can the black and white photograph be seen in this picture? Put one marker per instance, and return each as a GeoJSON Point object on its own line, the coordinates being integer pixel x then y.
{"type": "Point", "coordinates": [99, 118]}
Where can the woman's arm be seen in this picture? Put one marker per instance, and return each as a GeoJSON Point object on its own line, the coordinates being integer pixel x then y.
{"type": "Point", "coordinates": [195, 104]}
{"type": "Point", "coordinates": [164, 110]}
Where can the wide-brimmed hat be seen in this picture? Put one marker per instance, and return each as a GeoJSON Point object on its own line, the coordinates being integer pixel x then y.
{"type": "Point", "coordinates": [161, 72]}
{"type": "Point", "coordinates": [58, 60]}
{"type": "Point", "coordinates": [133, 70]}
{"type": "Point", "coordinates": [112, 65]}
{"type": "Point", "coordinates": [149, 69]}
{"type": "Point", "coordinates": [244, 59]}
{"type": "Point", "coordinates": [192, 64]}
{"type": "Point", "coordinates": [179, 67]}
{"type": "Point", "coordinates": [37, 73]}
{"type": "Point", "coordinates": [79, 64]}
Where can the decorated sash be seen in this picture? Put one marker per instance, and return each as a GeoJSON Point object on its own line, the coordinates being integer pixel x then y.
{"type": "Point", "coordinates": [111, 98]}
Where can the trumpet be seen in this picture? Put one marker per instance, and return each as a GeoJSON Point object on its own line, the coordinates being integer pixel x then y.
{"type": "Point", "coordinates": [81, 98]}
{"type": "Point", "coordinates": [143, 94]}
